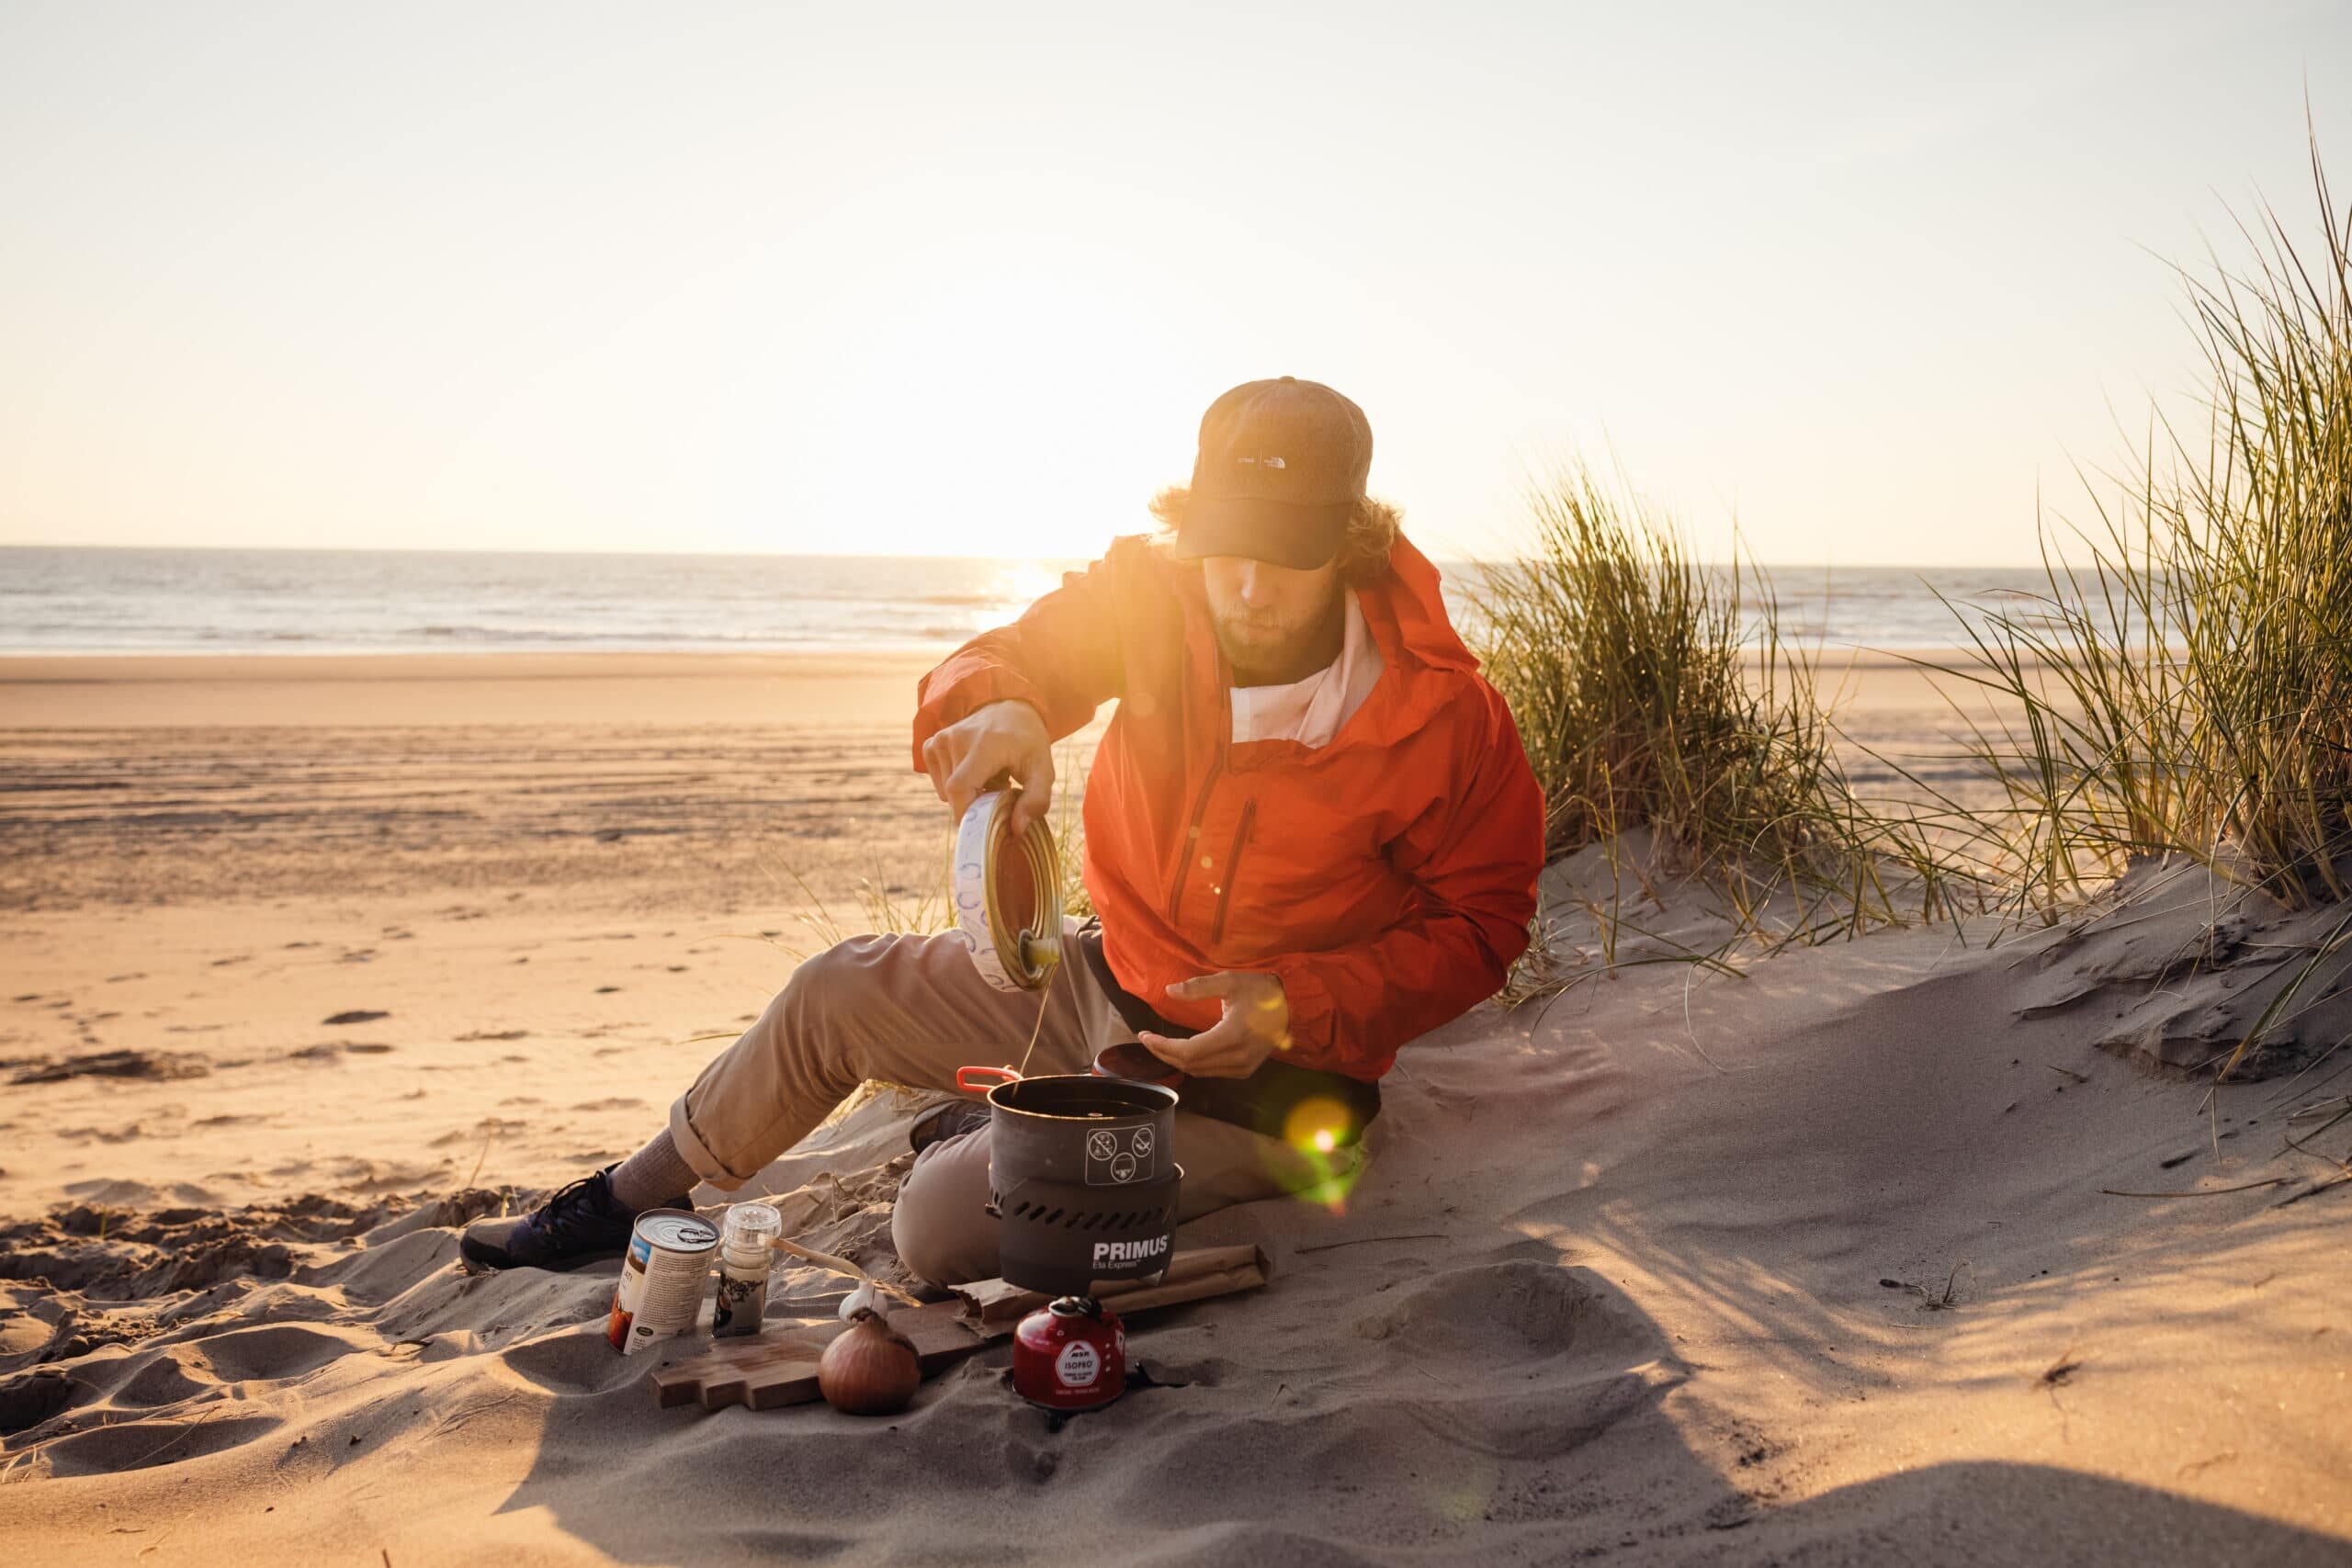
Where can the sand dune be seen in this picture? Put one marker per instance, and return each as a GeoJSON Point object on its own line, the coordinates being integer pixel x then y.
{"type": "Point", "coordinates": [1819, 1263]}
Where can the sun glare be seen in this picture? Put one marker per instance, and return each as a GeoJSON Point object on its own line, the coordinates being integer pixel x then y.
{"type": "Point", "coordinates": [990, 405]}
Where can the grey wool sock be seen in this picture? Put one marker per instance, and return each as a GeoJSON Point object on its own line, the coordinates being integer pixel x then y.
{"type": "Point", "coordinates": [652, 1176]}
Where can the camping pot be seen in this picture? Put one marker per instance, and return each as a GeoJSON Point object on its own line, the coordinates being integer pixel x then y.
{"type": "Point", "coordinates": [1082, 1174]}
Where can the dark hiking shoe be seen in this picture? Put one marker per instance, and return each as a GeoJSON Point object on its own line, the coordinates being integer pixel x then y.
{"type": "Point", "coordinates": [581, 1224]}
{"type": "Point", "coordinates": [952, 1120]}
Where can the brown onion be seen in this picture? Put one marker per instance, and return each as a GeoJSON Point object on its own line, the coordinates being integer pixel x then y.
{"type": "Point", "coordinates": [870, 1368]}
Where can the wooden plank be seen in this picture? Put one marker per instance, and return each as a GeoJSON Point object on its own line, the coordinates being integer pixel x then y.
{"type": "Point", "coordinates": [729, 1361]}
{"type": "Point", "coordinates": [779, 1367]}
{"type": "Point", "coordinates": [1195, 1274]}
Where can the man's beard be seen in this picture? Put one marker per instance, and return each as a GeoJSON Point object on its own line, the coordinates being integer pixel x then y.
{"type": "Point", "coordinates": [1254, 648]}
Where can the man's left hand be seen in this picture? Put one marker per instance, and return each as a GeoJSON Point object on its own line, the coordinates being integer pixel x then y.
{"type": "Point", "coordinates": [1256, 1024]}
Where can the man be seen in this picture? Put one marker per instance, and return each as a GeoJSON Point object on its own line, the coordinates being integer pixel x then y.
{"type": "Point", "coordinates": [1311, 836]}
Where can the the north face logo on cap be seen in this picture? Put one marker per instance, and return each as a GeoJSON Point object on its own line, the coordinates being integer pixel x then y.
{"type": "Point", "coordinates": [1264, 462]}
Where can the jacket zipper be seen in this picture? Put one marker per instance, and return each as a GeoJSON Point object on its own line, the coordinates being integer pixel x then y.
{"type": "Point", "coordinates": [1208, 785]}
{"type": "Point", "coordinates": [1192, 838]}
{"type": "Point", "coordinates": [1232, 866]}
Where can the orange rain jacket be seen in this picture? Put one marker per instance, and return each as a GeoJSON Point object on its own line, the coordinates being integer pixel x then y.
{"type": "Point", "coordinates": [1387, 877]}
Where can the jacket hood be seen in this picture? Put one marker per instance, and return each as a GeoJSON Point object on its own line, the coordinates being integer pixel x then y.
{"type": "Point", "coordinates": [1405, 612]}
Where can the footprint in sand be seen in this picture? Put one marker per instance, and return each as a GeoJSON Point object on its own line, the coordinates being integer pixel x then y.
{"type": "Point", "coordinates": [29, 1400]}
{"type": "Point", "coordinates": [129, 1131]}
{"type": "Point", "coordinates": [273, 1352]}
{"type": "Point", "coordinates": [487, 1127]}
{"type": "Point", "coordinates": [118, 1064]}
{"type": "Point", "coordinates": [1523, 1311]}
{"type": "Point", "coordinates": [136, 1445]}
{"type": "Point", "coordinates": [161, 1381]}
{"type": "Point", "coordinates": [114, 1193]}
{"type": "Point", "coordinates": [331, 1050]}
{"type": "Point", "coordinates": [1475, 1371]}
{"type": "Point", "coordinates": [578, 1362]}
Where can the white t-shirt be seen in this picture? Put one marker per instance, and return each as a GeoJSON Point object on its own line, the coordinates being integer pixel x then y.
{"type": "Point", "coordinates": [1312, 710]}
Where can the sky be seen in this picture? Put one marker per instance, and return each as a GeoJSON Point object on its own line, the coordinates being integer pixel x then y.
{"type": "Point", "coordinates": [1864, 284]}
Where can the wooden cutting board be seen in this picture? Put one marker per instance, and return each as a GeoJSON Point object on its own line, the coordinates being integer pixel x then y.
{"type": "Point", "coordinates": [778, 1368]}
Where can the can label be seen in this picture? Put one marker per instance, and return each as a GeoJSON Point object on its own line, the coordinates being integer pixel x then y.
{"type": "Point", "coordinates": [1078, 1365]}
{"type": "Point", "coordinates": [661, 1278]}
{"type": "Point", "coordinates": [743, 1304]}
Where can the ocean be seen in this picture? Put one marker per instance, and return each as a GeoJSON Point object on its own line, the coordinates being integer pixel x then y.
{"type": "Point", "coordinates": [78, 599]}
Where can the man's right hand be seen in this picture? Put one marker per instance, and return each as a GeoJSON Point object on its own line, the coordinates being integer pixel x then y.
{"type": "Point", "coordinates": [1004, 736]}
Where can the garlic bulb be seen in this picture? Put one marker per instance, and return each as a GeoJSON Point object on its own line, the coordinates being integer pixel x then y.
{"type": "Point", "coordinates": [870, 1368]}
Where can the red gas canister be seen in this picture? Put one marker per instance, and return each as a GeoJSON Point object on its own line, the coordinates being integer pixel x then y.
{"type": "Point", "coordinates": [1070, 1355]}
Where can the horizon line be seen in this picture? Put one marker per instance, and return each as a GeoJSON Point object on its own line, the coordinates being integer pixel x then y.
{"type": "Point", "coordinates": [910, 555]}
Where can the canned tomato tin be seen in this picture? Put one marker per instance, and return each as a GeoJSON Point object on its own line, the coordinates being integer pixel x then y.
{"type": "Point", "coordinates": [661, 1278]}
{"type": "Point", "coordinates": [1070, 1355]}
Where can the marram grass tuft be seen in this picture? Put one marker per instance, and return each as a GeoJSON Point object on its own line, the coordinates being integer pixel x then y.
{"type": "Point", "coordinates": [1653, 691]}
{"type": "Point", "coordinates": [2186, 684]}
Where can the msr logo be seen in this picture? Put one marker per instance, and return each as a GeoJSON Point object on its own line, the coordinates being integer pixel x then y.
{"type": "Point", "coordinates": [1077, 1366]}
{"type": "Point", "coordinates": [1264, 462]}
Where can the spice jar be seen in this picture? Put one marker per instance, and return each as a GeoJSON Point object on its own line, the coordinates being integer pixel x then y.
{"type": "Point", "coordinates": [744, 1258]}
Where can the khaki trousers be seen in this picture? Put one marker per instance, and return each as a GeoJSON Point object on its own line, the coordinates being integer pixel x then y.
{"type": "Point", "coordinates": [910, 1010]}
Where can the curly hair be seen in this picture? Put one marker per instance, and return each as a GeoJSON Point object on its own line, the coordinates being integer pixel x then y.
{"type": "Point", "coordinates": [1363, 550]}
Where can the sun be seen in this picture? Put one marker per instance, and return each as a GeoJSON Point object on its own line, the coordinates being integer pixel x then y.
{"type": "Point", "coordinates": [1005, 403]}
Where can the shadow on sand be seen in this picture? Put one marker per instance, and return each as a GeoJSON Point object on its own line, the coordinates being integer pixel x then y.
{"type": "Point", "coordinates": [1504, 1410]}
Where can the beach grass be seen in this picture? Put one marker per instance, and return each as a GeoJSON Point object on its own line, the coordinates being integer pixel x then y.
{"type": "Point", "coordinates": [2185, 683]}
{"type": "Point", "coordinates": [1653, 691]}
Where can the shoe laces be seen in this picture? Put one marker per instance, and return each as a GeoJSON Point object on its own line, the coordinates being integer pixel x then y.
{"type": "Point", "coordinates": [573, 1210]}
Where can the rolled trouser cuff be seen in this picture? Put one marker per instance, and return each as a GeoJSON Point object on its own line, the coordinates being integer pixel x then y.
{"type": "Point", "coordinates": [697, 1154]}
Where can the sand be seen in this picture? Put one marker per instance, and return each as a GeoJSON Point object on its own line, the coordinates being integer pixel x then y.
{"type": "Point", "coordinates": [1807, 1264]}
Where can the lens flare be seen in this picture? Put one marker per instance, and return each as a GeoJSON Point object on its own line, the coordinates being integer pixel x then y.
{"type": "Point", "coordinates": [1318, 1123]}
{"type": "Point", "coordinates": [1322, 1162]}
